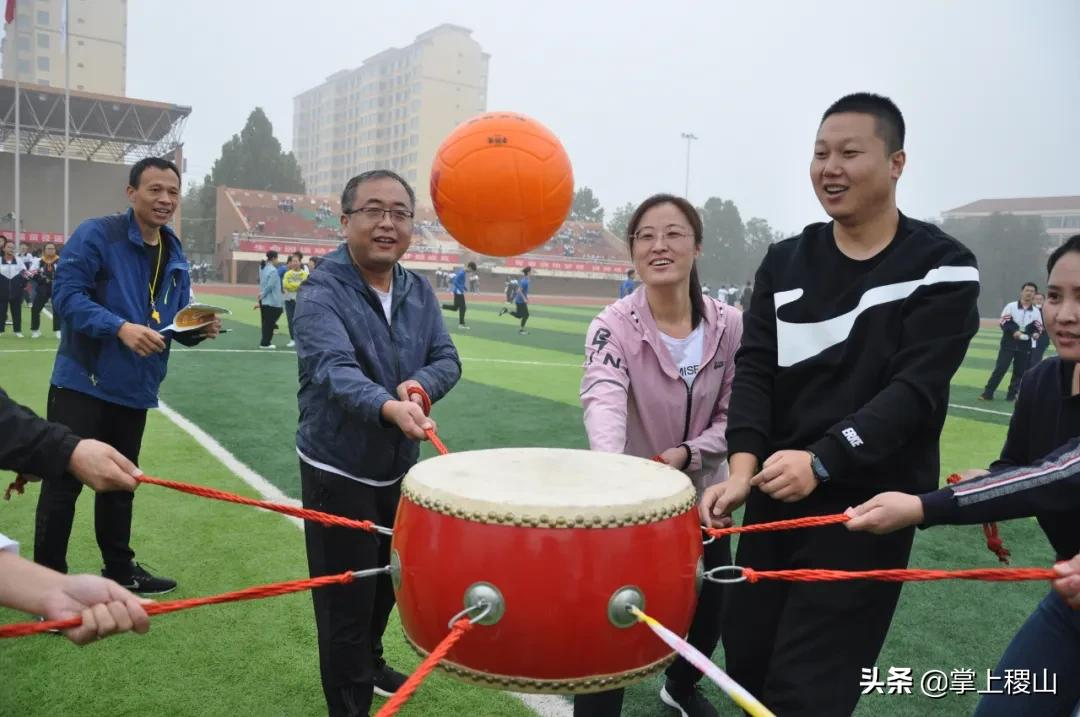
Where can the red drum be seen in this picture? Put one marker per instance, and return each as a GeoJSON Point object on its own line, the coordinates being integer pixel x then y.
{"type": "Point", "coordinates": [556, 543]}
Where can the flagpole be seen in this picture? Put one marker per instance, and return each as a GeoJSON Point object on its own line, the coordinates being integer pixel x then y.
{"type": "Point", "coordinates": [67, 116]}
{"type": "Point", "coordinates": [18, 140]}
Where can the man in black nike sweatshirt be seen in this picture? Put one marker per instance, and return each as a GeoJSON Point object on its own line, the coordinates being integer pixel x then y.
{"type": "Point", "coordinates": [841, 389]}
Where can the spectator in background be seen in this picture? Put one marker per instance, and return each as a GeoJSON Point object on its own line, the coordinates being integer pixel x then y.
{"type": "Point", "coordinates": [510, 289]}
{"type": "Point", "coordinates": [1020, 323]}
{"type": "Point", "coordinates": [271, 300]}
{"type": "Point", "coordinates": [458, 289]}
{"type": "Point", "coordinates": [43, 283]}
{"type": "Point", "coordinates": [474, 279]}
{"type": "Point", "coordinates": [290, 284]}
{"type": "Point", "coordinates": [13, 277]}
{"type": "Point", "coordinates": [747, 292]}
{"type": "Point", "coordinates": [521, 300]}
{"type": "Point", "coordinates": [626, 287]}
{"type": "Point", "coordinates": [1039, 345]}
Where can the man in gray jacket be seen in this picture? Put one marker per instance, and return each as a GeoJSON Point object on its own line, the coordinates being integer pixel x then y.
{"type": "Point", "coordinates": [366, 330]}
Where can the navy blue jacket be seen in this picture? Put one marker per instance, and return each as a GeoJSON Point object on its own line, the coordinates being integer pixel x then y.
{"type": "Point", "coordinates": [102, 281]}
{"type": "Point", "coordinates": [351, 362]}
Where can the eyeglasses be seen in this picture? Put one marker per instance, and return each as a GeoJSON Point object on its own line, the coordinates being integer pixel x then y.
{"type": "Point", "coordinates": [670, 234]}
{"type": "Point", "coordinates": [375, 214]}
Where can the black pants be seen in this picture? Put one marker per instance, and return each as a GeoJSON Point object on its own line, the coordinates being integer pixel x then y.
{"type": "Point", "coordinates": [704, 635]}
{"type": "Point", "coordinates": [290, 309]}
{"type": "Point", "coordinates": [521, 311]}
{"type": "Point", "coordinates": [1036, 356]}
{"type": "Point", "coordinates": [458, 306]}
{"type": "Point", "coordinates": [1019, 361]}
{"type": "Point", "coordinates": [800, 647]}
{"type": "Point", "coordinates": [41, 297]}
{"type": "Point", "coordinates": [122, 428]}
{"type": "Point", "coordinates": [350, 619]}
{"type": "Point", "coordinates": [14, 304]}
{"type": "Point", "coordinates": [270, 315]}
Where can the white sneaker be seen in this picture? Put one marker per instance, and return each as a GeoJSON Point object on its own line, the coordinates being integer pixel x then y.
{"type": "Point", "coordinates": [18, 335]}
{"type": "Point", "coordinates": [290, 345]}
{"type": "Point", "coordinates": [57, 334]}
{"type": "Point", "coordinates": [35, 335]}
{"type": "Point", "coordinates": [271, 346]}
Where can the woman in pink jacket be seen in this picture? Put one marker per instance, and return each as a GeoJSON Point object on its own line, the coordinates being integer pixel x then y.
{"type": "Point", "coordinates": [658, 370]}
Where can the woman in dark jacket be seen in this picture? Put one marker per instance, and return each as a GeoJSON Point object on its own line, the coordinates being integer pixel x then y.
{"type": "Point", "coordinates": [12, 286]}
{"type": "Point", "coordinates": [43, 282]}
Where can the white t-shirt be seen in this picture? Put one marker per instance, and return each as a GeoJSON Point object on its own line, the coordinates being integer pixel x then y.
{"type": "Point", "coordinates": [385, 298]}
{"type": "Point", "coordinates": [8, 544]}
{"type": "Point", "coordinates": [686, 352]}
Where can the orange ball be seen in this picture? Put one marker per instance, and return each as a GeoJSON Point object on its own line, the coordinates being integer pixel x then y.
{"type": "Point", "coordinates": [502, 184]}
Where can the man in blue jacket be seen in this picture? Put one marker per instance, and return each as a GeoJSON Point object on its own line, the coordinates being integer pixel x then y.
{"type": "Point", "coordinates": [121, 279]}
{"type": "Point", "coordinates": [366, 330]}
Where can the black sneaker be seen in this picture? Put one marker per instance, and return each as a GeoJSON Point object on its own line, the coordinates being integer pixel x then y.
{"type": "Point", "coordinates": [388, 681]}
{"type": "Point", "coordinates": [502, 311]}
{"type": "Point", "coordinates": [689, 703]}
{"type": "Point", "coordinates": [141, 582]}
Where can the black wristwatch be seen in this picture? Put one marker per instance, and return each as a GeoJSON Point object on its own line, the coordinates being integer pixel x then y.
{"type": "Point", "coordinates": [818, 468]}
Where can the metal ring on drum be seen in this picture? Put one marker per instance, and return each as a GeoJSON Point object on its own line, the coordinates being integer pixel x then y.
{"type": "Point", "coordinates": [546, 549]}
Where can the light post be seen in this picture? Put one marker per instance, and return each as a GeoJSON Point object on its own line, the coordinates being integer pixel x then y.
{"type": "Point", "coordinates": [689, 137]}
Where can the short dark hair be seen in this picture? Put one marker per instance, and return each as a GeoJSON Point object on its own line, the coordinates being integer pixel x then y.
{"type": "Point", "coordinates": [349, 193]}
{"type": "Point", "coordinates": [888, 121]}
{"type": "Point", "coordinates": [1071, 244]}
{"type": "Point", "coordinates": [271, 254]}
{"type": "Point", "coordinates": [526, 270]}
{"type": "Point", "coordinates": [1032, 284]}
{"type": "Point", "coordinates": [298, 254]}
{"type": "Point", "coordinates": [472, 265]}
{"type": "Point", "coordinates": [629, 273]}
{"type": "Point", "coordinates": [135, 176]}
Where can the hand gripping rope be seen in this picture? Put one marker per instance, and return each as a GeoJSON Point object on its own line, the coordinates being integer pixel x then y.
{"type": "Point", "coordinates": [993, 541]}
{"type": "Point", "coordinates": [425, 402]}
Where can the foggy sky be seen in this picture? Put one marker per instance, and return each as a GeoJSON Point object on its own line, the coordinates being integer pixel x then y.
{"type": "Point", "coordinates": [990, 90]}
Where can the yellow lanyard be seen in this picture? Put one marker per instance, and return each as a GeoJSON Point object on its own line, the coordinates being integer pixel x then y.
{"type": "Point", "coordinates": [153, 283]}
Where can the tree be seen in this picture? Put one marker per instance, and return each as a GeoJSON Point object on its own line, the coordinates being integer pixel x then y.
{"type": "Point", "coordinates": [759, 235]}
{"type": "Point", "coordinates": [1010, 250]}
{"type": "Point", "coordinates": [620, 219]}
{"type": "Point", "coordinates": [250, 160]}
{"type": "Point", "coordinates": [586, 207]}
{"type": "Point", "coordinates": [723, 246]}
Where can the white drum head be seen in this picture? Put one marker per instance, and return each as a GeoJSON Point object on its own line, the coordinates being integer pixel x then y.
{"type": "Point", "coordinates": [550, 487]}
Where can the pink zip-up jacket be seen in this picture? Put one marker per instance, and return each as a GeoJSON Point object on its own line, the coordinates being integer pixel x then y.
{"type": "Point", "coordinates": [634, 399]}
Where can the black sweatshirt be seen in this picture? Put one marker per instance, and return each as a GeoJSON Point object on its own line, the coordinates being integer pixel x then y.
{"type": "Point", "coordinates": [852, 359]}
{"type": "Point", "coordinates": [1038, 473]}
{"type": "Point", "coordinates": [29, 444]}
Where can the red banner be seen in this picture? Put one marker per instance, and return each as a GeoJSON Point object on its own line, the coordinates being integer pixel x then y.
{"type": "Point", "coordinates": [569, 265]}
{"type": "Point", "coordinates": [262, 246]}
{"type": "Point", "coordinates": [37, 237]}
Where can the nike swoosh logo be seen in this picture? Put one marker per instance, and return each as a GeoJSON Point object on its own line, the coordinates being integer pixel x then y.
{"type": "Point", "coordinates": [797, 342]}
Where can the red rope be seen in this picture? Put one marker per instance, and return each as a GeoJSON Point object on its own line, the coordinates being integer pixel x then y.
{"type": "Point", "coordinates": [434, 658]}
{"type": "Point", "coordinates": [312, 515]}
{"type": "Point", "coordinates": [809, 522]}
{"type": "Point", "coordinates": [425, 401]}
{"type": "Point", "coordinates": [160, 608]}
{"type": "Point", "coordinates": [993, 540]}
{"type": "Point", "coordinates": [902, 575]}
